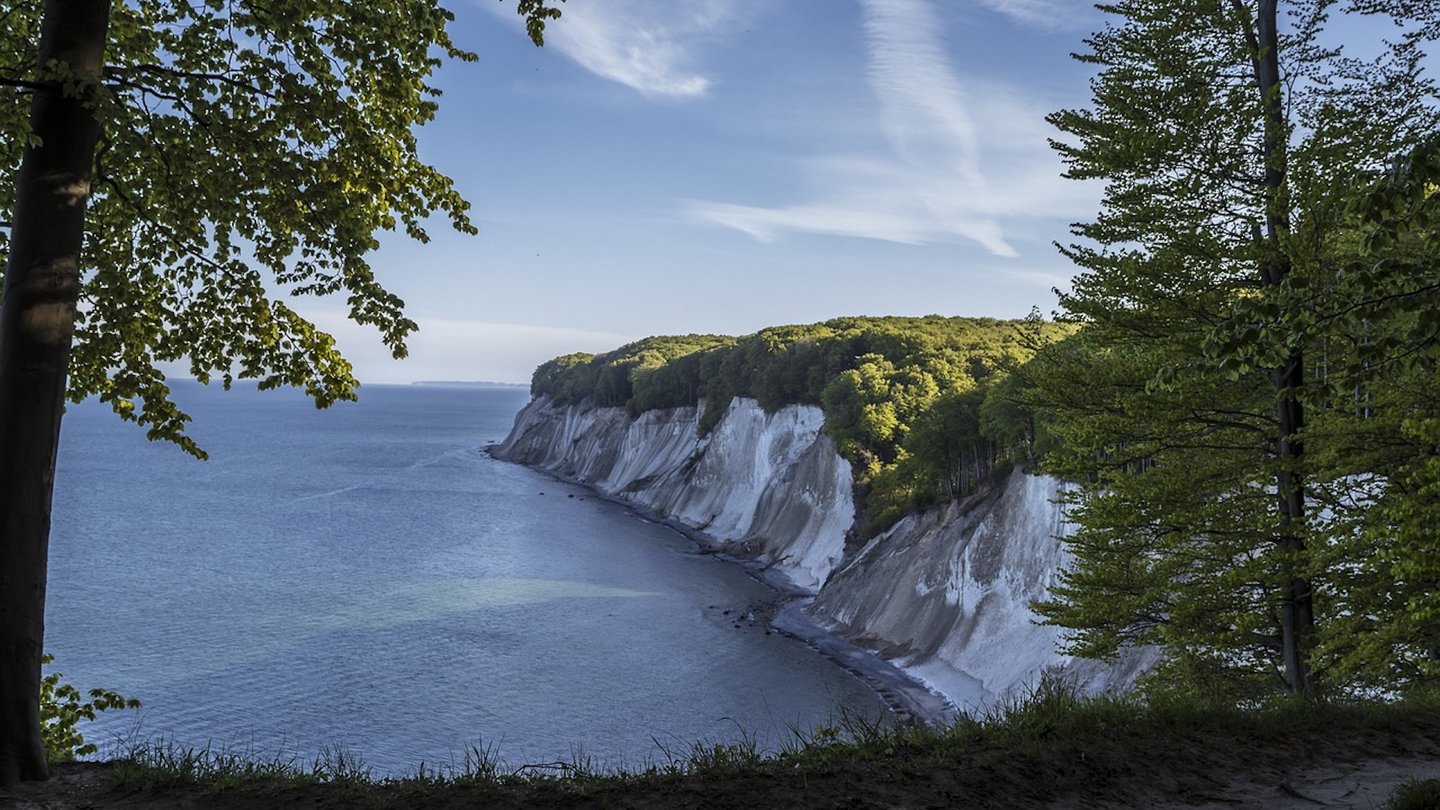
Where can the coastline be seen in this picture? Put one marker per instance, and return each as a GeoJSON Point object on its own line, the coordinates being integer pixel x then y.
{"type": "Point", "coordinates": [907, 696]}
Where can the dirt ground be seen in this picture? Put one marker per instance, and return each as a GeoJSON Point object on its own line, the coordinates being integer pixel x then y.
{"type": "Point", "coordinates": [1359, 771]}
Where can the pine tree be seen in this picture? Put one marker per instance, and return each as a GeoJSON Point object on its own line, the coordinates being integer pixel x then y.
{"type": "Point", "coordinates": [1232, 136]}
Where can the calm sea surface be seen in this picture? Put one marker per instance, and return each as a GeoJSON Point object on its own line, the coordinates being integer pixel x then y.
{"type": "Point", "coordinates": [365, 577]}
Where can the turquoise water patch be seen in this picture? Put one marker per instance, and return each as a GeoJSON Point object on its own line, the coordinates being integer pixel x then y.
{"type": "Point", "coordinates": [430, 601]}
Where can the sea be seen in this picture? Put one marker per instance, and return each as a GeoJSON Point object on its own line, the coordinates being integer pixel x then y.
{"type": "Point", "coordinates": [365, 580]}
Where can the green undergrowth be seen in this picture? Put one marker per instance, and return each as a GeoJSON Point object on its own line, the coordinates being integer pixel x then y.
{"type": "Point", "coordinates": [1417, 795]}
{"type": "Point", "coordinates": [1072, 741]}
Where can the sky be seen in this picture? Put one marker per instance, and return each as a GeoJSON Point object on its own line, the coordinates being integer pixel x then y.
{"type": "Point", "coordinates": [719, 166]}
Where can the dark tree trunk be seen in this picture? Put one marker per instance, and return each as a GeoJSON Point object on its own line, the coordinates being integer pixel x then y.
{"type": "Point", "coordinates": [37, 324]}
{"type": "Point", "coordinates": [1296, 598]}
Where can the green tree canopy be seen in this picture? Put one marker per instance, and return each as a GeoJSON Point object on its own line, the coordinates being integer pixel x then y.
{"type": "Point", "coordinates": [1243, 284]}
{"type": "Point", "coordinates": [179, 170]}
{"type": "Point", "coordinates": [247, 152]}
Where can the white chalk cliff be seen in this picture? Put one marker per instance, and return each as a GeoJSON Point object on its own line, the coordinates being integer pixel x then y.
{"type": "Point", "coordinates": [943, 594]}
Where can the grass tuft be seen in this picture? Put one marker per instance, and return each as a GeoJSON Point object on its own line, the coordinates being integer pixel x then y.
{"type": "Point", "coordinates": [163, 764]}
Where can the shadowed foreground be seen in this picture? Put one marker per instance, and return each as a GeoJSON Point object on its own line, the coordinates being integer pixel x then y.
{"type": "Point", "coordinates": [1051, 752]}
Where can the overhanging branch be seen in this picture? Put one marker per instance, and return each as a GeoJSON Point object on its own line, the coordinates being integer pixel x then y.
{"type": "Point", "coordinates": [121, 73]}
{"type": "Point", "coordinates": [26, 84]}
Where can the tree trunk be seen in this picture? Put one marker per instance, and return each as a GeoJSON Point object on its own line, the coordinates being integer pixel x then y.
{"type": "Point", "coordinates": [1296, 598]}
{"type": "Point", "coordinates": [37, 324]}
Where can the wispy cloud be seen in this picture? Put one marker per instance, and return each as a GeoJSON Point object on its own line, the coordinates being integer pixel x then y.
{"type": "Point", "coordinates": [1041, 13]}
{"type": "Point", "coordinates": [943, 177]}
{"type": "Point", "coordinates": [882, 200]}
{"type": "Point", "coordinates": [642, 44]}
{"type": "Point", "coordinates": [925, 118]}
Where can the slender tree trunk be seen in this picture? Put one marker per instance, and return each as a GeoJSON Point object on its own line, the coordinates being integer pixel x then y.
{"type": "Point", "coordinates": [37, 324]}
{"type": "Point", "coordinates": [1296, 598]}
{"type": "Point", "coordinates": [1297, 613]}
{"type": "Point", "coordinates": [949, 468]}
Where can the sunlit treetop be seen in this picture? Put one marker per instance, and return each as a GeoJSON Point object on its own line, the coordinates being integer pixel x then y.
{"type": "Point", "coordinates": [249, 152]}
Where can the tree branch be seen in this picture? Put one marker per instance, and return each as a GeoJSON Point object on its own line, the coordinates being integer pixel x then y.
{"type": "Point", "coordinates": [26, 84]}
{"type": "Point", "coordinates": [119, 73]}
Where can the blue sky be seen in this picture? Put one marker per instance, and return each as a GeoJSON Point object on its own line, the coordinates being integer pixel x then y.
{"type": "Point", "coordinates": [725, 165]}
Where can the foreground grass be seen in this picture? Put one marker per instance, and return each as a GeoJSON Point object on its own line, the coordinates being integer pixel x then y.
{"type": "Point", "coordinates": [1050, 746]}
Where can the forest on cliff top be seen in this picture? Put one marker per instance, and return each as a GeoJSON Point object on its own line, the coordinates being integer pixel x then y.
{"type": "Point", "coordinates": [923, 408]}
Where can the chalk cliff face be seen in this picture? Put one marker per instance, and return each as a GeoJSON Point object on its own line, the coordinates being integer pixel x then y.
{"type": "Point", "coordinates": [946, 594]}
{"type": "Point", "coordinates": [765, 486]}
{"type": "Point", "coordinates": [943, 593]}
